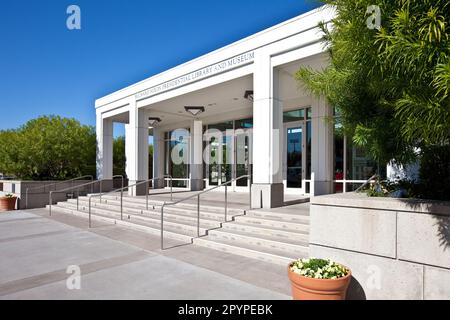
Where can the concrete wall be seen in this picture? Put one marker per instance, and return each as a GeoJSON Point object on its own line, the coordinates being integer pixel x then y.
{"type": "Point", "coordinates": [38, 195]}
{"type": "Point", "coordinates": [396, 249]}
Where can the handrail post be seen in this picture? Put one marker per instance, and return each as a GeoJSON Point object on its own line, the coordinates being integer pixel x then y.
{"type": "Point", "coordinates": [50, 203]}
{"type": "Point", "coordinates": [250, 196]}
{"type": "Point", "coordinates": [146, 194]}
{"type": "Point", "coordinates": [226, 202]}
{"type": "Point", "coordinates": [171, 188]}
{"type": "Point", "coordinates": [162, 227]}
{"type": "Point", "coordinates": [90, 224]}
{"type": "Point", "coordinates": [101, 189]}
{"type": "Point", "coordinates": [92, 184]}
{"type": "Point", "coordinates": [198, 216]}
{"type": "Point", "coordinates": [121, 204]}
{"type": "Point", "coordinates": [26, 199]}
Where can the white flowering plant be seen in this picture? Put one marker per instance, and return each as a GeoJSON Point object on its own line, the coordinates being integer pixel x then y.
{"type": "Point", "coordinates": [319, 268]}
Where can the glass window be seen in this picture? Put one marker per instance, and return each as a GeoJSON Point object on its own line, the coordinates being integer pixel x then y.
{"type": "Point", "coordinates": [295, 115]}
{"type": "Point", "coordinates": [308, 149]}
{"type": "Point", "coordinates": [309, 113]}
{"type": "Point", "coordinates": [338, 155]}
{"type": "Point", "coordinates": [352, 162]}
{"type": "Point", "coordinates": [360, 166]}
{"type": "Point", "coordinates": [294, 157]}
{"type": "Point", "coordinates": [177, 170]}
{"type": "Point", "coordinates": [244, 123]}
{"type": "Point", "coordinates": [222, 126]}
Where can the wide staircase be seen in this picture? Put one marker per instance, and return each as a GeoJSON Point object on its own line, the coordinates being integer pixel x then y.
{"type": "Point", "coordinates": [276, 236]}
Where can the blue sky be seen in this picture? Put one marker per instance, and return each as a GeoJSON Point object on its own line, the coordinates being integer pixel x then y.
{"type": "Point", "coordinates": [47, 69]}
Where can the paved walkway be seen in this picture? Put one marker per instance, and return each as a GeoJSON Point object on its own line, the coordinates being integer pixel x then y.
{"type": "Point", "coordinates": [117, 263]}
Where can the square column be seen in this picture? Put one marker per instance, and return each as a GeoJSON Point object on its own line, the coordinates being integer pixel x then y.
{"type": "Point", "coordinates": [158, 158]}
{"type": "Point", "coordinates": [104, 161]}
{"type": "Point", "coordinates": [137, 140]}
{"type": "Point", "coordinates": [267, 188]}
{"type": "Point", "coordinates": [196, 156]}
{"type": "Point", "coordinates": [322, 161]}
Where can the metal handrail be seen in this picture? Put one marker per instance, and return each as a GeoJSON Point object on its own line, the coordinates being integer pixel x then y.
{"type": "Point", "coordinates": [54, 185]}
{"type": "Point", "coordinates": [113, 177]}
{"type": "Point", "coordinates": [128, 187]}
{"type": "Point", "coordinates": [92, 183]}
{"type": "Point", "coordinates": [365, 183]}
{"type": "Point", "coordinates": [197, 195]}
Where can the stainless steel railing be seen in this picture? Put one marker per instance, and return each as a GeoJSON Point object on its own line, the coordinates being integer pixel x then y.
{"type": "Point", "coordinates": [113, 177]}
{"type": "Point", "coordinates": [197, 195]}
{"type": "Point", "coordinates": [55, 185]}
{"type": "Point", "coordinates": [121, 190]}
{"type": "Point", "coordinates": [367, 182]}
{"type": "Point", "coordinates": [77, 188]}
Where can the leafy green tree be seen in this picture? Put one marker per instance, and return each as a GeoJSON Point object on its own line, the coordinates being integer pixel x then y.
{"type": "Point", "coordinates": [119, 157]}
{"type": "Point", "coordinates": [49, 147]}
{"type": "Point", "coordinates": [389, 84]}
{"type": "Point", "coordinates": [150, 161]}
{"type": "Point", "coordinates": [119, 160]}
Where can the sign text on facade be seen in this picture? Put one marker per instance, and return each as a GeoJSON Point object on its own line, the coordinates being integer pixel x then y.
{"type": "Point", "coordinates": [198, 75]}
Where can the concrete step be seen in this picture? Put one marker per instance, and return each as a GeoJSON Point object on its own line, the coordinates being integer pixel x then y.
{"type": "Point", "coordinates": [297, 248]}
{"type": "Point", "coordinates": [170, 223]}
{"type": "Point", "coordinates": [156, 204]}
{"type": "Point", "coordinates": [247, 250]}
{"type": "Point", "coordinates": [272, 223]}
{"type": "Point", "coordinates": [139, 226]}
{"type": "Point", "coordinates": [168, 211]}
{"type": "Point", "coordinates": [301, 217]}
{"type": "Point", "coordinates": [267, 231]}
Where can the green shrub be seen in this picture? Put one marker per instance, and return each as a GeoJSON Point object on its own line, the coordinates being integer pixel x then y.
{"type": "Point", "coordinates": [319, 269]}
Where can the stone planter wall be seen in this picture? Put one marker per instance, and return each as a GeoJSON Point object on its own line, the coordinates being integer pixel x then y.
{"type": "Point", "coordinates": [40, 198]}
{"type": "Point", "coordinates": [397, 249]}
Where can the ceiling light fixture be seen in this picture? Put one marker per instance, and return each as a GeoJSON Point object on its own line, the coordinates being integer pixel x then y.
{"type": "Point", "coordinates": [249, 95]}
{"type": "Point", "coordinates": [153, 121]}
{"type": "Point", "coordinates": [195, 111]}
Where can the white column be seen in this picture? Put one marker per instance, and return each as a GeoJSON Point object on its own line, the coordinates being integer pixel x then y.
{"type": "Point", "coordinates": [128, 149]}
{"type": "Point", "coordinates": [104, 132]}
{"type": "Point", "coordinates": [196, 156]}
{"type": "Point", "coordinates": [267, 188]}
{"type": "Point", "coordinates": [158, 158]}
{"type": "Point", "coordinates": [322, 161]}
{"type": "Point", "coordinates": [137, 138]}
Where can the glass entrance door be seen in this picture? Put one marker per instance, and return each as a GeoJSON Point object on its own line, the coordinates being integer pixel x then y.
{"type": "Point", "coordinates": [226, 166]}
{"type": "Point", "coordinates": [242, 156]}
{"type": "Point", "coordinates": [213, 164]}
{"type": "Point", "coordinates": [294, 159]}
{"type": "Point", "coordinates": [229, 157]}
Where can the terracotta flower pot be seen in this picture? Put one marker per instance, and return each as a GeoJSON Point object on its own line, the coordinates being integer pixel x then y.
{"type": "Point", "coordinates": [304, 288]}
{"type": "Point", "coordinates": [7, 204]}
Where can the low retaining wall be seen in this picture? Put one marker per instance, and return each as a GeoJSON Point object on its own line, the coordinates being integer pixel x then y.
{"type": "Point", "coordinates": [396, 248]}
{"type": "Point", "coordinates": [40, 198]}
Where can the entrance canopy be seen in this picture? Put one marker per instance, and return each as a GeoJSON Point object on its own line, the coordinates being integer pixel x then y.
{"type": "Point", "coordinates": [251, 80]}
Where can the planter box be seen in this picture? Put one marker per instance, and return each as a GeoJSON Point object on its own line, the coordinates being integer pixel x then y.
{"type": "Point", "coordinates": [396, 248]}
{"type": "Point", "coordinates": [8, 204]}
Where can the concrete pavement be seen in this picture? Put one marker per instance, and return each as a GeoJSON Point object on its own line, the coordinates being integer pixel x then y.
{"type": "Point", "coordinates": [118, 263]}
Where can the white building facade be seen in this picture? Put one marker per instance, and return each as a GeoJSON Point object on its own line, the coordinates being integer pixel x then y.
{"type": "Point", "coordinates": [237, 111]}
